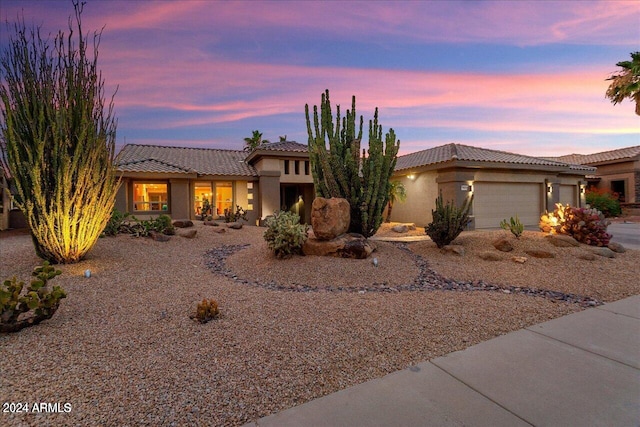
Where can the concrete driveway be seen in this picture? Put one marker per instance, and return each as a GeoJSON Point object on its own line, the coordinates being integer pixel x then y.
{"type": "Point", "coordinates": [627, 234]}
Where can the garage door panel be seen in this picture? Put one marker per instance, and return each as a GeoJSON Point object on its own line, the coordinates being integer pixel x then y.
{"type": "Point", "coordinates": [568, 195]}
{"type": "Point", "coordinates": [496, 201]}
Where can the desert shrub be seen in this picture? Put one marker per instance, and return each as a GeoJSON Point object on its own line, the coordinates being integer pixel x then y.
{"type": "Point", "coordinates": [514, 225]}
{"type": "Point", "coordinates": [207, 310]}
{"type": "Point", "coordinates": [116, 222]}
{"type": "Point", "coordinates": [285, 235]}
{"type": "Point", "coordinates": [144, 227]}
{"type": "Point", "coordinates": [230, 216]}
{"type": "Point", "coordinates": [448, 221]}
{"type": "Point", "coordinates": [15, 306]}
{"type": "Point", "coordinates": [206, 209]}
{"type": "Point", "coordinates": [586, 225]}
{"type": "Point", "coordinates": [603, 200]}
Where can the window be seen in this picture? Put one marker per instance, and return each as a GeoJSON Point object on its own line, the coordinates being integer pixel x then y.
{"type": "Point", "coordinates": [224, 197]}
{"type": "Point", "coordinates": [150, 196]}
{"type": "Point", "coordinates": [306, 167]}
{"type": "Point", "coordinates": [297, 167]}
{"type": "Point", "coordinates": [286, 167]}
{"type": "Point", "coordinates": [203, 196]}
{"type": "Point", "coordinates": [249, 196]}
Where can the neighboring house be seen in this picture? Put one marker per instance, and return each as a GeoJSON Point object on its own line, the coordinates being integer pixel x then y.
{"type": "Point", "coordinates": [617, 171]}
{"type": "Point", "coordinates": [277, 175]}
{"type": "Point", "coordinates": [176, 180]}
{"type": "Point", "coordinates": [503, 184]}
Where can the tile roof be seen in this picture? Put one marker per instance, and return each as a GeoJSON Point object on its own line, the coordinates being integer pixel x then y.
{"type": "Point", "coordinates": [284, 146]}
{"type": "Point", "coordinates": [460, 152]}
{"type": "Point", "coordinates": [602, 157]}
{"type": "Point", "coordinates": [203, 161]}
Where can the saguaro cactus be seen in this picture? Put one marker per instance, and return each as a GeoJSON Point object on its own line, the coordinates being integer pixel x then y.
{"type": "Point", "coordinates": [340, 170]}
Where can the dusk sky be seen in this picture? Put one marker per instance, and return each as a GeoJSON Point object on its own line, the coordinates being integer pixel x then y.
{"type": "Point", "coordinates": [526, 77]}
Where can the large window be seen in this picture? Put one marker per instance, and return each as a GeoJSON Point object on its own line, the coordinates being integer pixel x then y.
{"type": "Point", "coordinates": [203, 192]}
{"type": "Point", "coordinates": [224, 197]}
{"type": "Point", "coordinates": [150, 196]}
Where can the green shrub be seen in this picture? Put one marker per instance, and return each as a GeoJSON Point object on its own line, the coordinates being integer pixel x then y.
{"type": "Point", "coordinates": [513, 225]}
{"type": "Point", "coordinates": [230, 216]}
{"type": "Point", "coordinates": [116, 222]}
{"type": "Point", "coordinates": [285, 235]}
{"type": "Point", "coordinates": [144, 227]}
{"type": "Point", "coordinates": [604, 201]}
{"type": "Point", "coordinates": [448, 221]}
{"type": "Point", "coordinates": [586, 225]}
{"type": "Point", "coordinates": [14, 306]}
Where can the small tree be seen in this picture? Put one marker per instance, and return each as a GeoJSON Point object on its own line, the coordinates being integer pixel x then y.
{"type": "Point", "coordinates": [57, 139]}
{"type": "Point", "coordinates": [397, 192]}
{"type": "Point", "coordinates": [254, 141]}
{"type": "Point", "coordinates": [340, 171]}
{"type": "Point", "coordinates": [626, 83]}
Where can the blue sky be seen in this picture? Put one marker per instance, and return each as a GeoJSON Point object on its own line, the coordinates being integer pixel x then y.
{"type": "Point", "coordinates": [526, 77]}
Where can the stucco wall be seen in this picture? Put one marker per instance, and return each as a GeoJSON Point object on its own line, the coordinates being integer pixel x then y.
{"type": "Point", "coordinates": [624, 171]}
{"type": "Point", "coordinates": [422, 192]}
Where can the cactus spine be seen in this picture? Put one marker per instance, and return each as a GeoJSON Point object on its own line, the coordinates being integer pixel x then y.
{"type": "Point", "coordinates": [341, 171]}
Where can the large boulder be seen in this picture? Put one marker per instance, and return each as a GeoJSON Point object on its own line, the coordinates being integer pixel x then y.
{"type": "Point", "coordinates": [503, 245]}
{"type": "Point", "coordinates": [617, 247]}
{"type": "Point", "coordinates": [182, 223]}
{"type": "Point", "coordinates": [562, 240]}
{"type": "Point", "coordinates": [350, 245]}
{"type": "Point", "coordinates": [330, 217]}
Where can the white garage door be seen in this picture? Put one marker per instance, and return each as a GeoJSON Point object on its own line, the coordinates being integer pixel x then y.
{"type": "Point", "coordinates": [495, 201]}
{"type": "Point", "coordinates": [568, 195]}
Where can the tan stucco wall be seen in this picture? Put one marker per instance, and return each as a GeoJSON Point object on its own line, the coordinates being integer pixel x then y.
{"type": "Point", "coordinates": [624, 171]}
{"type": "Point", "coordinates": [269, 195]}
{"type": "Point", "coordinates": [180, 200]}
{"type": "Point", "coordinates": [291, 177]}
{"type": "Point", "coordinates": [422, 192]}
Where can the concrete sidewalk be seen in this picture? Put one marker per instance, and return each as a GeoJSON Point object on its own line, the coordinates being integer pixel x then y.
{"type": "Point", "coordinates": [579, 370]}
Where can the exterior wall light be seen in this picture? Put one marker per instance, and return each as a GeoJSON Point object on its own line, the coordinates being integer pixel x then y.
{"type": "Point", "coordinates": [466, 187]}
{"type": "Point", "coordinates": [411, 176]}
{"type": "Point", "coordinates": [582, 189]}
{"type": "Point", "coordinates": [549, 188]}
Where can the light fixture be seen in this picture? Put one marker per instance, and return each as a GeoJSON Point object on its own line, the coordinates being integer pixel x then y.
{"type": "Point", "coordinates": [582, 189]}
{"type": "Point", "coordinates": [411, 176]}
{"type": "Point", "coordinates": [549, 188]}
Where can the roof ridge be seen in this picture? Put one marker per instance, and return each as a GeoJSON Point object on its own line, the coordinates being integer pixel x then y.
{"type": "Point", "coordinates": [184, 148]}
{"type": "Point", "coordinates": [151, 159]}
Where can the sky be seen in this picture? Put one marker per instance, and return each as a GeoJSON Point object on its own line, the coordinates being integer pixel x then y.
{"type": "Point", "coordinates": [527, 77]}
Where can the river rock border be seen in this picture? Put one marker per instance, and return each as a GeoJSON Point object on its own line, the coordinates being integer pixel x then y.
{"type": "Point", "coordinates": [427, 280]}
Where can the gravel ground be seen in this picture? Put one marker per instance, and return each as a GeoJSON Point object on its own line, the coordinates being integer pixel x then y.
{"type": "Point", "coordinates": [122, 350]}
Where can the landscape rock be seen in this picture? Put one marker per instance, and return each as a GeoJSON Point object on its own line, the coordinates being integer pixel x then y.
{"type": "Point", "coordinates": [587, 256]}
{"type": "Point", "coordinates": [330, 218]}
{"type": "Point", "coordinates": [453, 249]}
{"type": "Point", "coordinates": [220, 230]}
{"type": "Point", "coordinates": [540, 254]}
{"type": "Point", "coordinates": [503, 245]}
{"type": "Point", "coordinates": [519, 259]}
{"type": "Point", "coordinates": [159, 237]}
{"type": "Point", "coordinates": [604, 252]}
{"type": "Point", "coordinates": [188, 234]}
{"type": "Point", "coordinates": [350, 245]}
{"type": "Point", "coordinates": [562, 240]}
{"type": "Point", "coordinates": [212, 223]}
{"type": "Point", "coordinates": [490, 256]}
{"type": "Point", "coordinates": [400, 228]}
{"type": "Point", "coordinates": [182, 223]}
{"type": "Point", "coordinates": [235, 225]}
{"type": "Point", "coordinates": [617, 247]}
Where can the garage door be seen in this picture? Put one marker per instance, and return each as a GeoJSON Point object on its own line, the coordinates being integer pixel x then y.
{"type": "Point", "coordinates": [495, 201]}
{"type": "Point", "coordinates": [568, 195]}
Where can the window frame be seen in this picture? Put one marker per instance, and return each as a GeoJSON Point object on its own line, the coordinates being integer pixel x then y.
{"type": "Point", "coordinates": [166, 202]}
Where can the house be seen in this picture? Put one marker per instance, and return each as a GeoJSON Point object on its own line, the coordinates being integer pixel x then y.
{"type": "Point", "coordinates": [616, 170]}
{"type": "Point", "coordinates": [503, 184]}
{"type": "Point", "coordinates": [176, 180]}
{"type": "Point", "coordinates": [10, 216]}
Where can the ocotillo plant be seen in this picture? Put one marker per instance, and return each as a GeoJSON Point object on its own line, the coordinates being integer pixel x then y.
{"type": "Point", "coordinates": [340, 170]}
{"type": "Point", "coordinates": [58, 139]}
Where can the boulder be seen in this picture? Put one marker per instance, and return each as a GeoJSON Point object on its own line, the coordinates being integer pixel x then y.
{"type": "Point", "coordinates": [604, 252]}
{"type": "Point", "coordinates": [220, 230]}
{"type": "Point", "coordinates": [400, 228]}
{"type": "Point", "coordinates": [562, 240]}
{"type": "Point", "coordinates": [159, 237]}
{"type": "Point", "coordinates": [519, 259]}
{"type": "Point", "coordinates": [503, 245]}
{"type": "Point", "coordinates": [212, 223]}
{"type": "Point", "coordinates": [350, 245]}
{"type": "Point", "coordinates": [453, 249]}
{"type": "Point", "coordinates": [536, 253]}
{"type": "Point", "coordinates": [617, 247]}
{"type": "Point", "coordinates": [182, 223]}
{"type": "Point", "coordinates": [235, 225]}
{"type": "Point", "coordinates": [490, 256]}
{"type": "Point", "coordinates": [188, 234]}
{"type": "Point", "coordinates": [587, 256]}
{"type": "Point", "coordinates": [330, 217]}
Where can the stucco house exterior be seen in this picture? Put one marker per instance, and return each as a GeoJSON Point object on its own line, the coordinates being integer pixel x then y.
{"type": "Point", "coordinates": [176, 180]}
{"type": "Point", "coordinates": [616, 170]}
{"type": "Point", "coordinates": [277, 175]}
{"type": "Point", "coordinates": [503, 184]}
